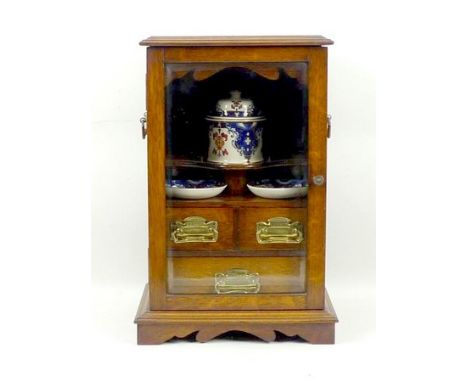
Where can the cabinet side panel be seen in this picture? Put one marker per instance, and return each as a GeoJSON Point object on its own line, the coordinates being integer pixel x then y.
{"type": "Point", "coordinates": [317, 166]}
{"type": "Point", "coordinates": [156, 177]}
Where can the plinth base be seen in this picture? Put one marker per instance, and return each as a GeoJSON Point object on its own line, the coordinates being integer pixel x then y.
{"type": "Point", "coordinates": [156, 327]}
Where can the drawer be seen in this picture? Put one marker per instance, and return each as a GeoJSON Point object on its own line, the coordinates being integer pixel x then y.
{"type": "Point", "coordinates": [200, 228]}
{"type": "Point", "coordinates": [236, 275]}
{"type": "Point", "coordinates": [272, 228]}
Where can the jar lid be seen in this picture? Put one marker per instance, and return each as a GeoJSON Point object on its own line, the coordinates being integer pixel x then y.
{"type": "Point", "coordinates": [236, 109]}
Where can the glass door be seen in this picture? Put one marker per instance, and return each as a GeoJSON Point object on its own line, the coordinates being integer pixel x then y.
{"type": "Point", "coordinates": [236, 184]}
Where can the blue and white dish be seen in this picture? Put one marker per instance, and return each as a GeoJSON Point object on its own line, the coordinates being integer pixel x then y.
{"type": "Point", "coordinates": [279, 188]}
{"type": "Point", "coordinates": [194, 189]}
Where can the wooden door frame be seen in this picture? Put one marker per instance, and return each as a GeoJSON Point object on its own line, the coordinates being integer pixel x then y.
{"type": "Point", "coordinates": [157, 57]}
{"type": "Point", "coordinates": [156, 135]}
{"type": "Point", "coordinates": [317, 157]}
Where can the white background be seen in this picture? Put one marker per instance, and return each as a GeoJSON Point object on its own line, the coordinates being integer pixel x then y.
{"type": "Point", "coordinates": [72, 91]}
{"type": "Point", "coordinates": [119, 185]}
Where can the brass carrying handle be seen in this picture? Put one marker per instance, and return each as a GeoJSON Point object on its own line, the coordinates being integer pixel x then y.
{"type": "Point", "coordinates": [194, 229]}
{"type": "Point", "coordinates": [237, 280]}
{"type": "Point", "coordinates": [280, 230]}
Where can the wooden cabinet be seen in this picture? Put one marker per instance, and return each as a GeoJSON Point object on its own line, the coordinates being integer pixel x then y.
{"type": "Point", "coordinates": [236, 261]}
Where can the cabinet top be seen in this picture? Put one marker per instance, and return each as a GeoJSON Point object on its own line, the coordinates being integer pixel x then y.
{"type": "Point", "coordinates": [162, 41]}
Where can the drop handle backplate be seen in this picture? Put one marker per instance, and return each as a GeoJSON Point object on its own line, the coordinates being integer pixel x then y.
{"type": "Point", "coordinates": [237, 280]}
{"type": "Point", "coordinates": [279, 230]}
{"type": "Point", "coordinates": [144, 129]}
{"type": "Point", "coordinates": [194, 229]}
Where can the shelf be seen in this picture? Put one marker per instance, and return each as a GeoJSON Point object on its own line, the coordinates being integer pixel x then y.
{"type": "Point", "coordinates": [219, 166]}
{"type": "Point", "coordinates": [237, 201]}
{"type": "Point", "coordinates": [238, 253]}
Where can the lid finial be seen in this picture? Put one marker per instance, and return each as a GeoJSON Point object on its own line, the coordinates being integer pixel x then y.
{"type": "Point", "coordinates": [235, 95]}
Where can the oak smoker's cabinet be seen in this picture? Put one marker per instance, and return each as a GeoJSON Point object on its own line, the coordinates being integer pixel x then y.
{"type": "Point", "coordinates": [246, 116]}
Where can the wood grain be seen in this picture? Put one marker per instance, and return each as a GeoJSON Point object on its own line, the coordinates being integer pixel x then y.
{"type": "Point", "coordinates": [257, 302]}
{"type": "Point", "coordinates": [204, 70]}
{"type": "Point", "coordinates": [237, 54]}
{"type": "Point", "coordinates": [317, 166]}
{"type": "Point", "coordinates": [156, 327]}
{"type": "Point", "coordinates": [237, 201]}
{"type": "Point", "coordinates": [156, 176]}
{"type": "Point", "coordinates": [236, 182]}
{"type": "Point", "coordinates": [277, 252]}
{"type": "Point", "coordinates": [167, 41]}
{"type": "Point", "coordinates": [207, 334]}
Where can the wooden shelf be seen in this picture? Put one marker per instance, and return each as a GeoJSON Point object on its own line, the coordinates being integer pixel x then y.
{"type": "Point", "coordinates": [219, 166]}
{"type": "Point", "coordinates": [238, 253]}
{"type": "Point", "coordinates": [237, 201]}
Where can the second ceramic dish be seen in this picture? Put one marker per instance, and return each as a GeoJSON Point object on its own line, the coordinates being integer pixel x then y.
{"type": "Point", "coordinates": [278, 188]}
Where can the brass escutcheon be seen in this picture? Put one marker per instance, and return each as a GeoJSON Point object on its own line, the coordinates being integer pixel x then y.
{"type": "Point", "coordinates": [194, 229]}
{"type": "Point", "coordinates": [237, 280]}
{"type": "Point", "coordinates": [279, 230]}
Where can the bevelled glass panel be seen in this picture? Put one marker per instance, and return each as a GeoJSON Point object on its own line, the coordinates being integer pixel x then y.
{"type": "Point", "coordinates": [236, 275]}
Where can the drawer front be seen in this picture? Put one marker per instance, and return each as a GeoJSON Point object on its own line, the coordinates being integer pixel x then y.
{"type": "Point", "coordinates": [272, 228]}
{"type": "Point", "coordinates": [200, 228]}
{"type": "Point", "coordinates": [236, 275]}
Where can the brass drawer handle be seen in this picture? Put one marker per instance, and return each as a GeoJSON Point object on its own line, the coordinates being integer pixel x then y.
{"type": "Point", "coordinates": [237, 280]}
{"type": "Point", "coordinates": [194, 229]}
{"type": "Point", "coordinates": [279, 230]}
